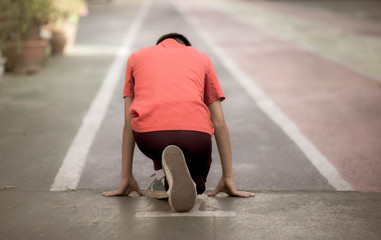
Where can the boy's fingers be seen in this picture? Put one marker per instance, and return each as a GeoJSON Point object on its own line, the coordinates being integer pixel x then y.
{"type": "Point", "coordinates": [139, 192]}
{"type": "Point", "coordinates": [249, 194]}
{"type": "Point", "coordinates": [110, 194]}
{"type": "Point", "coordinates": [105, 194]}
{"type": "Point", "coordinates": [214, 193]}
{"type": "Point", "coordinates": [244, 194]}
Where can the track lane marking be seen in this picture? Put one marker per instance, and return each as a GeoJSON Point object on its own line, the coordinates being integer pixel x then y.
{"type": "Point", "coordinates": [70, 172]}
{"type": "Point", "coordinates": [195, 212]}
{"type": "Point", "coordinates": [269, 108]}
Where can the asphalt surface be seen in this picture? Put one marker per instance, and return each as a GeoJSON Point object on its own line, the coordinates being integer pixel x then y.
{"type": "Point", "coordinates": [264, 157]}
{"type": "Point", "coordinates": [327, 83]}
{"type": "Point", "coordinates": [335, 107]}
{"type": "Point", "coordinates": [270, 215]}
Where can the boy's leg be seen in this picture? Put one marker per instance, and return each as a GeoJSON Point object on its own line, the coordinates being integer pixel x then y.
{"type": "Point", "coordinates": [196, 147]}
{"type": "Point", "coordinates": [152, 144]}
{"type": "Point", "coordinates": [182, 189]}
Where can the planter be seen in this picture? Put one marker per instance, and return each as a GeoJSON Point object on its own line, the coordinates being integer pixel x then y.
{"type": "Point", "coordinates": [62, 40]}
{"type": "Point", "coordinates": [2, 67]}
{"type": "Point", "coordinates": [31, 57]}
{"type": "Point", "coordinates": [58, 42]}
{"type": "Point", "coordinates": [10, 53]}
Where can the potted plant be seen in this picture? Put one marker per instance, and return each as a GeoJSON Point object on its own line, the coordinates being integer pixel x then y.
{"type": "Point", "coordinates": [63, 24]}
{"type": "Point", "coordinates": [2, 59]}
{"type": "Point", "coordinates": [7, 10]}
{"type": "Point", "coordinates": [32, 52]}
{"type": "Point", "coordinates": [25, 47]}
{"type": "Point", "coordinates": [2, 65]}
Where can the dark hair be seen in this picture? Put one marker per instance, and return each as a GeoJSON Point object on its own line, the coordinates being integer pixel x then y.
{"type": "Point", "coordinates": [177, 36]}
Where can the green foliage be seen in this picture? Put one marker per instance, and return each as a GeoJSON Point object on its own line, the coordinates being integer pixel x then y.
{"type": "Point", "coordinates": [33, 14]}
{"type": "Point", "coordinates": [9, 22]}
{"type": "Point", "coordinates": [67, 11]}
{"type": "Point", "coordinates": [22, 19]}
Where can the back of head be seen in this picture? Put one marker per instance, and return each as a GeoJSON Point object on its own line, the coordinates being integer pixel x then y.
{"type": "Point", "coordinates": [177, 36]}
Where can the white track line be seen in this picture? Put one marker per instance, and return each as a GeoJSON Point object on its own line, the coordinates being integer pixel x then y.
{"type": "Point", "coordinates": [304, 47]}
{"type": "Point", "coordinates": [215, 214]}
{"type": "Point", "coordinates": [70, 172]}
{"type": "Point", "coordinates": [195, 212]}
{"type": "Point", "coordinates": [267, 106]}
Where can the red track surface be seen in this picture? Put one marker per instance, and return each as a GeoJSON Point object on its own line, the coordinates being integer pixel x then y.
{"type": "Point", "coordinates": [321, 16]}
{"type": "Point", "coordinates": [337, 109]}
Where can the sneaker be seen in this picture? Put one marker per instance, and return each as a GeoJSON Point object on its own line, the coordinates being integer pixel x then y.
{"type": "Point", "coordinates": [156, 189]}
{"type": "Point", "coordinates": [182, 190]}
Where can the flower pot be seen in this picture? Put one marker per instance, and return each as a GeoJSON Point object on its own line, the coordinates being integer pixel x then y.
{"type": "Point", "coordinates": [63, 39]}
{"type": "Point", "coordinates": [2, 67]}
{"type": "Point", "coordinates": [10, 53]}
{"type": "Point", "coordinates": [58, 42]}
{"type": "Point", "coordinates": [31, 56]}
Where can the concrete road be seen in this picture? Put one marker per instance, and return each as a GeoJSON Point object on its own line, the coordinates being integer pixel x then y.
{"type": "Point", "coordinates": [302, 110]}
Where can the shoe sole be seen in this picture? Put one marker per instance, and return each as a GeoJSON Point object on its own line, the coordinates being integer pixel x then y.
{"type": "Point", "coordinates": [156, 194]}
{"type": "Point", "coordinates": [182, 190]}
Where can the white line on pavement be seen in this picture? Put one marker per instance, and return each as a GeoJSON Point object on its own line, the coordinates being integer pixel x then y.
{"type": "Point", "coordinates": [186, 214]}
{"type": "Point", "coordinates": [195, 212]}
{"type": "Point", "coordinates": [70, 172]}
{"type": "Point", "coordinates": [308, 48]}
{"type": "Point", "coordinates": [268, 107]}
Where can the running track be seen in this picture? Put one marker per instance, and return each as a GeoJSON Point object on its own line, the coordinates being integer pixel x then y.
{"type": "Point", "coordinates": [335, 109]}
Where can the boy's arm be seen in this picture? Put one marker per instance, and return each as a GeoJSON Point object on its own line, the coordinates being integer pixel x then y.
{"type": "Point", "coordinates": [128, 183]}
{"type": "Point", "coordinates": [128, 143]}
{"type": "Point", "coordinates": [221, 133]}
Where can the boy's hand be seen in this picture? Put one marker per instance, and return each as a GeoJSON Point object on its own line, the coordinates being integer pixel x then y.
{"type": "Point", "coordinates": [226, 185]}
{"type": "Point", "coordinates": [127, 185]}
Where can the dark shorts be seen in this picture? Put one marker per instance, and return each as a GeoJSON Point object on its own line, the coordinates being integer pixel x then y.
{"type": "Point", "coordinates": [196, 146]}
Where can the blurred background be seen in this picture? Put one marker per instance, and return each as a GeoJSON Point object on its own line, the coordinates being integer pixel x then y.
{"type": "Point", "coordinates": [317, 61]}
{"type": "Point", "coordinates": [303, 85]}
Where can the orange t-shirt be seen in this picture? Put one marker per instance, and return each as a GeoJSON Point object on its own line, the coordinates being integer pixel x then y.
{"type": "Point", "coordinates": [172, 86]}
